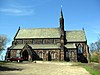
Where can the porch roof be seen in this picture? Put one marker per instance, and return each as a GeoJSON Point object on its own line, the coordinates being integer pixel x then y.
{"type": "Point", "coordinates": [70, 45]}
{"type": "Point", "coordinates": [36, 46]}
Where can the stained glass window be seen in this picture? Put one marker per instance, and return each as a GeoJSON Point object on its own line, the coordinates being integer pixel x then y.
{"type": "Point", "coordinates": [80, 49]}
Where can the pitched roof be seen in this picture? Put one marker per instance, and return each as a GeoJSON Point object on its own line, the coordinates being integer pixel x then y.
{"type": "Point", "coordinates": [75, 36]}
{"type": "Point", "coordinates": [38, 33]}
{"type": "Point", "coordinates": [71, 36]}
{"type": "Point", "coordinates": [71, 45]}
{"type": "Point", "coordinates": [36, 46]}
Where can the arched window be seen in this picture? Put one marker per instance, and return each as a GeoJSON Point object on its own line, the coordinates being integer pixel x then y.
{"type": "Point", "coordinates": [67, 54]}
{"type": "Point", "coordinates": [40, 54]}
{"type": "Point", "coordinates": [73, 54]}
{"type": "Point", "coordinates": [18, 53]}
{"type": "Point", "coordinates": [80, 49]}
{"type": "Point", "coordinates": [53, 55]}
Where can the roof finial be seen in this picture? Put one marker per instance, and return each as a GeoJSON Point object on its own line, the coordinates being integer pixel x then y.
{"type": "Point", "coordinates": [19, 28]}
{"type": "Point", "coordinates": [83, 28]}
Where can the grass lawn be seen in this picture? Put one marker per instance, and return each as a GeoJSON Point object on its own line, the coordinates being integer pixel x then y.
{"type": "Point", "coordinates": [94, 69]}
{"type": "Point", "coordinates": [2, 62]}
{"type": "Point", "coordinates": [42, 68]}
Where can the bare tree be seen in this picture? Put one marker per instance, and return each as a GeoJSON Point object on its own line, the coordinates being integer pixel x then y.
{"type": "Point", "coordinates": [98, 49]}
{"type": "Point", "coordinates": [92, 47]}
{"type": "Point", "coordinates": [98, 45]}
{"type": "Point", "coordinates": [95, 47]}
{"type": "Point", "coordinates": [3, 42]}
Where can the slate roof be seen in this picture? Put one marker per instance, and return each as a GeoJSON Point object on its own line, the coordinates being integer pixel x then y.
{"type": "Point", "coordinates": [36, 46]}
{"type": "Point", "coordinates": [75, 36]}
{"type": "Point", "coordinates": [44, 46]}
{"type": "Point", "coordinates": [70, 46]}
{"type": "Point", "coordinates": [71, 36]}
{"type": "Point", "coordinates": [38, 33]}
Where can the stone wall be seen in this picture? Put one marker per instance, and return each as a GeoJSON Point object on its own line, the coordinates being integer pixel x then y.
{"type": "Point", "coordinates": [47, 55]}
{"type": "Point", "coordinates": [72, 55]}
{"type": "Point", "coordinates": [13, 53]}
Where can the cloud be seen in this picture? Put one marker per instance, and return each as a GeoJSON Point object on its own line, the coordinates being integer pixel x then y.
{"type": "Point", "coordinates": [94, 26]}
{"type": "Point", "coordinates": [96, 29]}
{"type": "Point", "coordinates": [16, 7]}
{"type": "Point", "coordinates": [16, 11]}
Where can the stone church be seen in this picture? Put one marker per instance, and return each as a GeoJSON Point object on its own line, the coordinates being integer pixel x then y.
{"type": "Point", "coordinates": [50, 44]}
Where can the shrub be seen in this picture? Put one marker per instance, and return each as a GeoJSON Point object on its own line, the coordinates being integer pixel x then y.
{"type": "Point", "coordinates": [94, 57]}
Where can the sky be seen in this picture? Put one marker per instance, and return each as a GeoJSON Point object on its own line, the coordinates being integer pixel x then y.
{"type": "Point", "coordinates": [78, 14]}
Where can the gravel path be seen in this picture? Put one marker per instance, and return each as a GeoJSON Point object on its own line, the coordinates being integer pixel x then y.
{"type": "Point", "coordinates": [43, 68]}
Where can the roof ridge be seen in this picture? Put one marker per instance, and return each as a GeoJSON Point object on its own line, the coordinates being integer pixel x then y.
{"type": "Point", "coordinates": [74, 30]}
{"type": "Point", "coordinates": [40, 28]}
